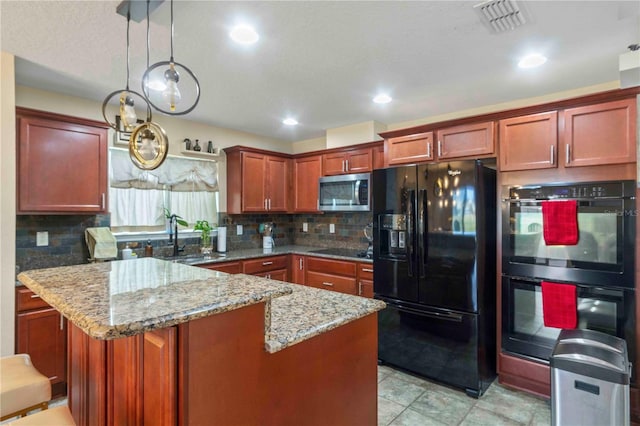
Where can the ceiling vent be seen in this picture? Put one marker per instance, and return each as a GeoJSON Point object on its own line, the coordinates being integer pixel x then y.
{"type": "Point", "coordinates": [500, 15]}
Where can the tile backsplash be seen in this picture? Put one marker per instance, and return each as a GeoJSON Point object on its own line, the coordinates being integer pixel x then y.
{"type": "Point", "coordinates": [66, 240]}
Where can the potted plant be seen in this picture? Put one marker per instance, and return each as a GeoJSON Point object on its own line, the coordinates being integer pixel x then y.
{"type": "Point", "coordinates": [203, 225]}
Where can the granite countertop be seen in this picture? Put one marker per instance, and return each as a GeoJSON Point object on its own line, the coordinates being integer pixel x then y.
{"type": "Point", "coordinates": [308, 312]}
{"type": "Point", "coordinates": [128, 297]}
{"type": "Point", "coordinates": [243, 254]}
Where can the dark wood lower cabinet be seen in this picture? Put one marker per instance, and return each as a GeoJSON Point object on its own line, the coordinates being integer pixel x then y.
{"type": "Point", "coordinates": [215, 370]}
{"type": "Point", "coordinates": [41, 333]}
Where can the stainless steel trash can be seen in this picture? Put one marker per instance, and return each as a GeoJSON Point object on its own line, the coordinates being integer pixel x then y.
{"type": "Point", "coordinates": [590, 374]}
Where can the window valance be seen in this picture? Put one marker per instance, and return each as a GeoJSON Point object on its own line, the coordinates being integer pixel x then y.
{"type": "Point", "coordinates": [176, 174]}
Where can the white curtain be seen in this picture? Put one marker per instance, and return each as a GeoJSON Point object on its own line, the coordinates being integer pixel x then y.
{"type": "Point", "coordinates": [137, 198]}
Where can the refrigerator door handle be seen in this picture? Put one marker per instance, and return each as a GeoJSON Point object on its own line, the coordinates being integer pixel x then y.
{"type": "Point", "coordinates": [422, 233]}
{"type": "Point", "coordinates": [447, 316]}
{"type": "Point", "coordinates": [409, 237]}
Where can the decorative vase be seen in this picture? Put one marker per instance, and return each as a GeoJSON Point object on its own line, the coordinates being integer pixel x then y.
{"type": "Point", "coordinates": [210, 147]}
{"type": "Point", "coordinates": [205, 247]}
{"type": "Point", "coordinates": [187, 144]}
{"type": "Point", "coordinates": [197, 147]}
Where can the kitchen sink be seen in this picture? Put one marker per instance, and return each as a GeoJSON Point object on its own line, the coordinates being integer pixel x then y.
{"type": "Point", "coordinates": [190, 259]}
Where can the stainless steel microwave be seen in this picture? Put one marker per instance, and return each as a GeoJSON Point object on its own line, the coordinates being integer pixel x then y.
{"type": "Point", "coordinates": [345, 193]}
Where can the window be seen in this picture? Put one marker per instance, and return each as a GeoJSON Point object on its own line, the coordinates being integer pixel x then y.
{"type": "Point", "coordinates": [138, 198]}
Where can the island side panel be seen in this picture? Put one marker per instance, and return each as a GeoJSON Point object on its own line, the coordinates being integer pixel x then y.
{"type": "Point", "coordinates": [227, 375]}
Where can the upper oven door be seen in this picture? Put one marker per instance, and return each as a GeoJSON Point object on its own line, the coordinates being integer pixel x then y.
{"type": "Point", "coordinates": [604, 254]}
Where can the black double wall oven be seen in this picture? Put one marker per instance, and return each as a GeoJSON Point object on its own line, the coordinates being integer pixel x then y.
{"type": "Point", "coordinates": [601, 265]}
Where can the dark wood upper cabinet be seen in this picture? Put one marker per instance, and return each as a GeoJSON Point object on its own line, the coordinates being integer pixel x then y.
{"type": "Point", "coordinates": [62, 164]}
{"type": "Point", "coordinates": [529, 142]}
{"type": "Point", "coordinates": [306, 173]}
{"type": "Point", "coordinates": [350, 161]}
{"type": "Point", "coordinates": [469, 140]}
{"type": "Point", "coordinates": [416, 148]}
{"type": "Point", "coordinates": [600, 134]}
{"type": "Point", "coordinates": [256, 181]}
{"type": "Point", "coordinates": [378, 156]}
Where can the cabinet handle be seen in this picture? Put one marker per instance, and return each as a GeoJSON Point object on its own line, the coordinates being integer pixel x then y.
{"type": "Point", "coordinates": [327, 284]}
{"type": "Point", "coordinates": [439, 149]}
{"type": "Point", "coordinates": [428, 149]}
{"type": "Point", "coordinates": [268, 276]}
{"type": "Point", "coordinates": [301, 264]}
{"type": "Point", "coordinates": [103, 200]}
{"type": "Point", "coordinates": [267, 263]}
{"type": "Point", "coordinates": [551, 154]}
{"type": "Point", "coordinates": [359, 288]}
{"type": "Point", "coordinates": [61, 322]}
{"type": "Point", "coordinates": [367, 270]}
{"type": "Point", "coordinates": [346, 168]}
{"type": "Point", "coordinates": [568, 152]}
{"type": "Point", "coordinates": [35, 296]}
{"type": "Point", "coordinates": [269, 203]}
{"type": "Point", "coordinates": [265, 204]}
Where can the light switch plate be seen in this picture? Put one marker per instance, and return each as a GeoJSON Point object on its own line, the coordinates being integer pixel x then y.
{"type": "Point", "coordinates": [239, 230]}
{"type": "Point", "coordinates": [305, 227]}
{"type": "Point", "coordinates": [42, 239]}
{"type": "Point", "coordinates": [332, 228]}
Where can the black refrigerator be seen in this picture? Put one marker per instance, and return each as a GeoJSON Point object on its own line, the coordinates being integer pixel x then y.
{"type": "Point", "coordinates": [434, 254]}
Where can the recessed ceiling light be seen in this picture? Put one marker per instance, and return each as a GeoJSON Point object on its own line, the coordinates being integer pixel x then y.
{"type": "Point", "coordinates": [532, 61]}
{"type": "Point", "coordinates": [382, 98]}
{"type": "Point", "coordinates": [290, 121]}
{"type": "Point", "coordinates": [244, 34]}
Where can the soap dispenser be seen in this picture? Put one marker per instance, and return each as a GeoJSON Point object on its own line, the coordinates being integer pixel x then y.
{"type": "Point", "coordinates": [148, 250]}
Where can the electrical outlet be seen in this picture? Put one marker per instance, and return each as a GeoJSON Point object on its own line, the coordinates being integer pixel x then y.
{"type": "Point", "coordinates": [42, 239]}
{"type": "Point", "coordinates": [239, 230]}
{"type": "Point", "coordinates": [332, 228]}
{"type": "Point", "coordinates": [305, 227]}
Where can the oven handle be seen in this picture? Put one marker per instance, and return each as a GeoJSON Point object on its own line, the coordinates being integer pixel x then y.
{"type": "Point", "coordinates": [533, 200]}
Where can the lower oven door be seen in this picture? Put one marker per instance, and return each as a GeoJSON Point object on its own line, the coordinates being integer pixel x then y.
{"type": "Point", "coordinates": [605, 309]}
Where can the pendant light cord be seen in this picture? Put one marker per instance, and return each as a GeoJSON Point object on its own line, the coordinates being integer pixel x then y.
{"type": "Point", "coordinates": [148, 49]}
{"type": "Point", "coordinates": [128, 21]}
{"type": "Point", "coordinates": [171, 60]}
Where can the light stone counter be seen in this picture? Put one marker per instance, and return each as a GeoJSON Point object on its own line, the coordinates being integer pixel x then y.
{"type": "Point", "coordinates": [124, 298]}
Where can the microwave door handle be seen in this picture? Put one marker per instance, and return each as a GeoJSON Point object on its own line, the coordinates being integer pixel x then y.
{"type": "Point", "coordinates": [356, 191]}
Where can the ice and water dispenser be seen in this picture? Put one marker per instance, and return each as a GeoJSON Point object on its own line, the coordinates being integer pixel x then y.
{"type": "Point", "coordinates": [393, 235]}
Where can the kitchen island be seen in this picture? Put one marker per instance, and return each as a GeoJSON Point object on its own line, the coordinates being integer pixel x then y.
{"type": "Point", "coordinates": [156, 342]}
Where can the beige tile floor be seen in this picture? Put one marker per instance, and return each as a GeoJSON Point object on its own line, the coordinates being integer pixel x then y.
{"type": "Point", "coordinates": [406, 400]}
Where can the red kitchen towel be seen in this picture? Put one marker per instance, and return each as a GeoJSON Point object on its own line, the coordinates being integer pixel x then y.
{"type": "Point", "coordinates": [560, 222]}
{"type": "Point", "coordinates": [559, 305]}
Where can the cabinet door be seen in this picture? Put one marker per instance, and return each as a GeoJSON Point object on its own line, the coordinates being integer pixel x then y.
{"type": "Point", "coordinates": [279, 275]}
{"type": "Point", "coordinates": [277, 183]}
{"type": "Point", "coordinates": [264, 264]}
{"type": "Point", "coordinates": [41, 334]}
{"type": "Point", "coordinates": [334, 164]}
{"type": "Point", "coordinates": [297, 269]}
{"type": "Point", "coordinates": [365, 288]}
{"type": "Point", "coordinates": [410, 149]}
{"type": "Point", "coordinates": [529, 142]}
{"type": "Point", "coordinates": [470, 140]}
{"type": "Point", "coordinates": [365, 279]}
{"type": "Point", "coordinates": [359, 160]}
{"type": "Point", "coordinates": [600, 134]}
{"type": "Point", "coordinates": [378, 157]}
{"type": "Point", "coordinates": [306, 173]}
{"type": "Point", "coordinates": [254, 177]}
{"type": "Point", "coordinates": [62, 167]}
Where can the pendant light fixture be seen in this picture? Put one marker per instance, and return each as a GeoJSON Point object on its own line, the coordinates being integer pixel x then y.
{"type": "Point", "coordinates": [127, 104]}
{"type": "Point", "coordinates": [169, 86]}
{"type": "Point", "coordinates": [148, 144]}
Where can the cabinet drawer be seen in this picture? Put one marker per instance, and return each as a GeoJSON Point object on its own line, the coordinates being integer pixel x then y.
{"type": "Point", "coordinates": [279, 275]}
{"type": "Point", "coordinates": [365, 271]}
{"type": "Point", "coordinates": [264, 264]}
{"type": "Point", "coordinates": [228, 267]}
{"type": "Point", "coordinates": [331, 282]}
{"type": "Point", "coordinates": [27, 300]}
{"type": "Point", "coordinates": [330, 266]}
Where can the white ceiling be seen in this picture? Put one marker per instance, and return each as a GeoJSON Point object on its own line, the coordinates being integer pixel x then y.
{"type": "Point", "coordinates": [322, 62]}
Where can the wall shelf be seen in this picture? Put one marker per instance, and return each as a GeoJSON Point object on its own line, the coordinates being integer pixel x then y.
{"type": "Point", "coordinates": [200, 154]}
